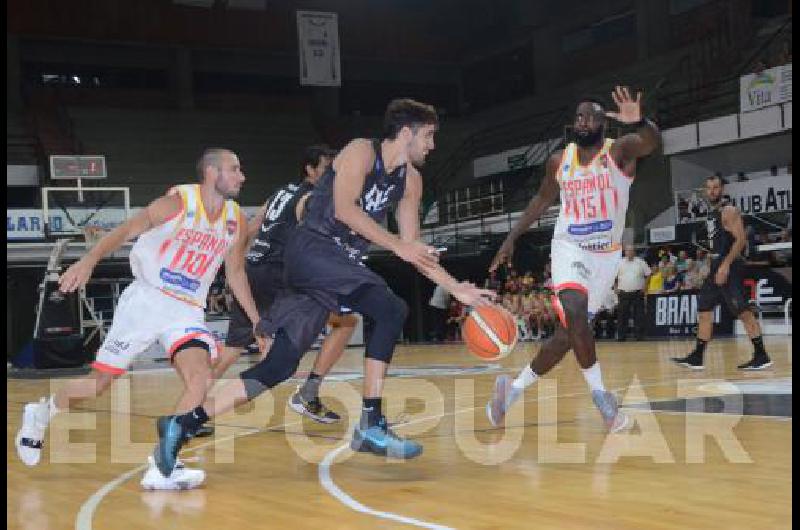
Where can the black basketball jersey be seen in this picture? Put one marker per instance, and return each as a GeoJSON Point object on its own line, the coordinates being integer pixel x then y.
{"type": "Point", "coordinates": [720, 240]}
{"type": "Point", "coordinates": [381, 190]}
{"type": "Point", "coordinates": [278, 220]}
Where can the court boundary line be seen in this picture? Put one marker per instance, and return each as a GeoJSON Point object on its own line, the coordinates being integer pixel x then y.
{"type": "Point", "coordinates": [84, 518]}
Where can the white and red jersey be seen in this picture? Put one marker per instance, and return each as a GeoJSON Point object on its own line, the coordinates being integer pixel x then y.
{"type": "Point", "coordinates": [182, 256]}
{"type": "Point", "coordinates": [594, 200]}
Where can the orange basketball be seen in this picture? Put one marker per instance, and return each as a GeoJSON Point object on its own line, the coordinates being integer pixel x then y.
{"type": "Point", "coordinates": [490, 332]}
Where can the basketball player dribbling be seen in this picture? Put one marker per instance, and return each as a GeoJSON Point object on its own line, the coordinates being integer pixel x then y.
{"type": "Point", "coordinates": [269, 231]}
{"type": "Point", "coordinates": [593, 175]}
{"type": "Point", "coordinates": [324, 269]}
{"type": "Point", "coordinates": [183, 239]}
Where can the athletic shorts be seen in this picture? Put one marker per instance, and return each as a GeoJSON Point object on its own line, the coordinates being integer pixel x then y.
{"type": "Point", "coordinates": [731, 293]}
{"type": "Point", "coordinates": [144, 316]}
{"type": "Point", "coordinates": [593, 273]}
{"type": "Point", "coordinates": [266, 281]}
{"type": "Point", "coordinates": [320, 277]}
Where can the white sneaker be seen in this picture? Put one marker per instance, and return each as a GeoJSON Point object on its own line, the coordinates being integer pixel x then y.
{"type": "Point", "coordinates": [30, 437]}
{"type": "Point", "coordinates": [182, 478]}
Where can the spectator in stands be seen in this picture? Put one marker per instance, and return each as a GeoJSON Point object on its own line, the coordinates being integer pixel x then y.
{"type": "Point", "coordinates": [505, 270]}
{"type": "Point", "coordinates": [656, 282]}
{"type": "Point", "coordinates": [631, 280]}
{"type": "Point", "coordinates": [692, 280]}
{"type": "Point", "coordinates": [680, 265]}
{"type": "Point", "coordinates": [492, 282]}
{"type": "Point", "coordinates": [527, 308]}
{"type": "Point", "coordinates": [527, 281]}
{"type": "Point", "coordinates": [549, 317]}
{"type": "Point", "coordinates": [455, 317]}
{"type": "Point", "coordinates": [510, 303]}
{"type": "Point", "coordinates": [703, 264]}
{"type": "Point", "coordinates": [512, 282]}
{"type": "Point", "coordinates": [671, 281]}
{"type": "Point", "coordinates": [547, 276]}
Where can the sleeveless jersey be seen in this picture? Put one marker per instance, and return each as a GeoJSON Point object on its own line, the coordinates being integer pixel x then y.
{"type": "Point", "coordinates": [380, 191]}
{"type": "Point", "coordinates": [278, 221]}
{"type": "Point", "coordinates": [182, 256]}
{"type": "Point", "coordinates": [594, 200]}
{"type": "Point", "coordinates": [720, 240]}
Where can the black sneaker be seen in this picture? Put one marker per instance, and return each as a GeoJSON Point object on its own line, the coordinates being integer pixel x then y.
{"type": "Point", "coordinates": [313, 408]}
{"type": "Point", "coordinates": [756, 363]}
{"type": "Point", "coordinates": [693, 361]}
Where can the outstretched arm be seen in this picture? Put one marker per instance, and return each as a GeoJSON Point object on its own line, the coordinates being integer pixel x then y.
{"type": "Point", "coordinates": [408, 224]}
{"type": "Point", "coordinates": [545, 197]}
{"type": "Point", "coordinates": [155, 214]}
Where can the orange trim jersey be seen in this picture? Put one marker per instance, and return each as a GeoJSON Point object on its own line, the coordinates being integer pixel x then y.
{"type": "Point", "coordinates": [182, 256]}
{"type": "Point", "coordinates": [594, 200]}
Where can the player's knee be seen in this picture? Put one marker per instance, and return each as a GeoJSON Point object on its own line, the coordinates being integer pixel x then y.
{"type": "Point", "coordinates": [278, 366]}
{"type": "Point", "coordinates": [396, 310]}
{"type": "Point", "coordinates": [198, 375]}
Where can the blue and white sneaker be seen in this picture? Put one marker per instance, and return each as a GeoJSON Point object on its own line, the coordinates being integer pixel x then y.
{"type": "Point", "coordinates": [606, 403]}
{"type": "Point", "coordinates": [382, 441]}
{"type": "Point", "coordinates": [503, 397]}
{"type": "Point", "coordinates": [170, 439]}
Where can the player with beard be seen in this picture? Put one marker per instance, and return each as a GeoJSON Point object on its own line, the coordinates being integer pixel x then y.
{"type": "Point", "coordinates": [727, 239]}
{"type": "Point", "coordinates": [593, 175]}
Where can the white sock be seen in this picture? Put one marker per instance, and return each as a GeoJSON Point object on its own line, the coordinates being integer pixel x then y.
{"type": "Point", "coordinates": [593, 376]}
{"type": "Point", "coordinates": [51, 407]}
{"type": "Point", "coordinates": [525, 379]}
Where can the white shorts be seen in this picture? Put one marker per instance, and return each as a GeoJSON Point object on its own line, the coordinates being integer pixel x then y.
{"type": "Point", "coordinates": [590, 272]}
{"type": "Point", "coordinates": [143, 316]}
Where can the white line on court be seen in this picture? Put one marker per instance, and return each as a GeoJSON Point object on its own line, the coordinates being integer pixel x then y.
{"type": "Point", "coordinates": [350, 502]}
{"type": "Point", "coordinates": [86, 513]}
{"type": "Point", "coordinates": [330, 486]}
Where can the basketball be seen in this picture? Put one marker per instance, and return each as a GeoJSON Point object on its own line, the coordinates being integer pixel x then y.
{"type": "Point", "coordinates": [490, 332]}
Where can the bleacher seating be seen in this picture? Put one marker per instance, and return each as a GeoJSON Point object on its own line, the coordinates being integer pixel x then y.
{"type": "Point", "coordinates": [148, 150]}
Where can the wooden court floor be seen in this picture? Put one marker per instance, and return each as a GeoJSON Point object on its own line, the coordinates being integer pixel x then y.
{"type": "Point", "coordinates": [553, 466]}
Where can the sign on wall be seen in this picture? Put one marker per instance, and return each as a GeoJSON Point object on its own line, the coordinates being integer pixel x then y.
{"type": "Point", "coordinates": [318, 38]}
{"type": "Point", "coordinates": [675, 315]}
{"type": "Point", "coordinates": [770, 87]}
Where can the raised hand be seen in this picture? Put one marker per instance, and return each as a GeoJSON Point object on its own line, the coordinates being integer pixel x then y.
{"type": "Point", "coordinates": [629, 110]}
